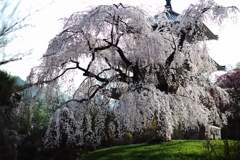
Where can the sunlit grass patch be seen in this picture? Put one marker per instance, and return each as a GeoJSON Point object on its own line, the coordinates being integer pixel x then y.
{"type": "Point", "coordinates": [174, 150]}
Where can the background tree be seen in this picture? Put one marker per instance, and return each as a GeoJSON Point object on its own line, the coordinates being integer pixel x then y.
{"type": "Point", "coordinates": [33, 118]}
{"type": "Point", "coordinates": [13, 19]}
{"type": "Point", "coordinates": [8, 89]}
{"type": "Point", "coordinates": [33, 128]}
{"type": "Point", "coordinates": [238, 65]}
{"type": "Point", "coordinates": [10, 23]}
{"type": "Point", "coordinates": [9, 98]}
{"type": "Point", "coordinates": [149, 68]}
{"type": "Point", "coordinates": [230, 81]}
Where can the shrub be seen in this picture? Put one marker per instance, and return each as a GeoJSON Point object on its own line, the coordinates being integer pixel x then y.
{"type": "Point", "coordinates": [8, 88]}
{"type": "Point", "coordinates": [127, 138]}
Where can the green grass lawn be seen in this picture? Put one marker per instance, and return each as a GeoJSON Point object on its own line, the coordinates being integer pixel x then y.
{"type": "Point", "coordinates": [174, 150]}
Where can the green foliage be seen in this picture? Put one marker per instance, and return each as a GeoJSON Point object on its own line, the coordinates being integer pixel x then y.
{"type": "Point", "coordinates": [148, 133]}
{"type": "Point", "coordinates": [3, 137]}
{"type": "Point", "coordinates": [223, 150]}
{"type": "Point", "coordinates": [238, 65]}
{"type": "Point", "coordinates": [127, 138]}
{"type": "Point", "coordinates": [8, 88]}
{"type": "Point", "coordinates": [34, 119]}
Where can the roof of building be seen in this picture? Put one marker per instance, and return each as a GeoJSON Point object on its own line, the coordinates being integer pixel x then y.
{"type": "Point", "coordinates": [170, 15]}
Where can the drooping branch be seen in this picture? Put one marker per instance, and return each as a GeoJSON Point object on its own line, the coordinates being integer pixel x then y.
{"type": "Point", "coordinates": [26, 86]}
{"type": "Point", "coordinates": [10, 60]}
{"type": "Point", "coordinates": [94, 93]}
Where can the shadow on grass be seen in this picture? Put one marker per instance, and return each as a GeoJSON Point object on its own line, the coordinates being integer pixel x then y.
{"type": "Point", "coordinates": [175, 150]}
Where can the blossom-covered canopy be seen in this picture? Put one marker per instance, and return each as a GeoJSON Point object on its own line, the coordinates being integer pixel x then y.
{"type": "Point", "coordinates": [150, 72]}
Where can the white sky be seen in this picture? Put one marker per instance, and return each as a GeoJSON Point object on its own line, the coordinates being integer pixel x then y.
{"type": "Point", "coordinates": [46, 24]}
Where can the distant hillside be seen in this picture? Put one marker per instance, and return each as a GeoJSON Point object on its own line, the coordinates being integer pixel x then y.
{"type": "Point", "coordinates": [19, 81]}
{"type": "Point", "coordinates": [33, 90]}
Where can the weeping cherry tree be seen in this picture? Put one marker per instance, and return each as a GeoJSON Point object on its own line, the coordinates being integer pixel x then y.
{"type": "Point", "coordinates": [137, 69]}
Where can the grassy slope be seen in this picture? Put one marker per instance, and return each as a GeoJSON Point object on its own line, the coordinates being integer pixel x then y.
{"type": "Point", "coordinates": [174, 150]}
